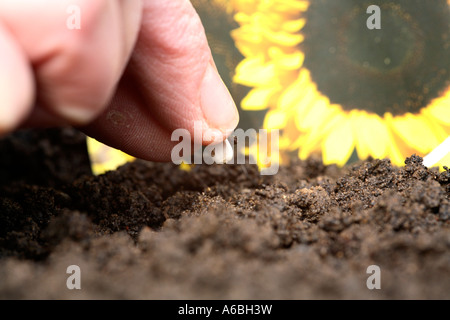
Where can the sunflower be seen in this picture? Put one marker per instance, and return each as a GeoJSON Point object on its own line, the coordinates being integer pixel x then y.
{"type": "Point", "coordinates": [105, 158]}
{"type": "Point", "coordinates": [333, 86]}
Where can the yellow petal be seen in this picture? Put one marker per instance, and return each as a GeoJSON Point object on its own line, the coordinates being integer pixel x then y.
{"type": "Point", "coordinates": [371, 135]}
{"type": "Point", "coordinates": [338, 146]}
{"type": "Point", "coordinates": [313, 138]}
{"type": "Point", "coordinates": [104, 158]}
{"type": "Point", "coordinates": [398, 150]}
{"type": "Point", "coordinates": [312, 116]}
{"type": "Point", "coordinates": [275, 119]}
{"type": "Point", "coordinates": [186, 167]}
{"type": "Point", "coordinates": [242, 18]}
{"type": "Point", "coordinates": [358, 124]}
{"type": "Point", "coordinates": [284, 142]}
{"type": "Point", "coordinates": [247, 6]}
{"type": "Point", "coordinates": [295, 136]}
{"type": "Point", "coordinates": [415, 131]}
{"type": "Point", "coordinates": [253, 72]}
{"type": "Point", "coordinates": [307, 151]}
{"type": "Point", "coordinates": [301, 90]}
{"type": "Point", "coordinates": [440, 109]}
{"type": "Point", "coordinates": [294, 25]}
{"type": "Point", "coordinates": [440, 131]}
{"type": "Point", "coordinates": [247, 34]}
{"type": "Point", "coordinates": [289, 61]}
{"type": "Point", "coordinates": [396, 156]}
{"type": "Point", "coordinates": [258, 98]}
{"type": "Point", "coordinates": [284, 38]}
{"type": "Point", "coordinates": [290, 5]}
{"type": "Point", "coordinates": [297, 143]}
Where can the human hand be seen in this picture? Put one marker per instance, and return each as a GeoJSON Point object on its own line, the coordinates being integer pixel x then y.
{"type": "Point", "coordinates": [134, 72]}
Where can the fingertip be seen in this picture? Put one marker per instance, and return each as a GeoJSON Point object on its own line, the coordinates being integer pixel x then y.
{"type": "Point", "coordinates": [175, 61]}
{"type": "Point", "coordinates": [217, 104]}
{"type": "Point", "coordinates": [16, 83]}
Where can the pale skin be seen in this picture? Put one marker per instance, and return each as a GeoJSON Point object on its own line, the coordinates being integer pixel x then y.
{"type": "Point", "coordinates": [135, 71]}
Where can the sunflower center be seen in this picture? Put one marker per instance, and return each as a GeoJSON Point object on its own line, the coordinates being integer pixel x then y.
{"type": "Point", "coordinates": [399, 68]}
{"type": "Point", "coordinates": [378, 52]}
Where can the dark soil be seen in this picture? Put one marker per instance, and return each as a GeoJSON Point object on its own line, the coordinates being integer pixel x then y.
{"type": "Point", "coordinates": [152, 231]}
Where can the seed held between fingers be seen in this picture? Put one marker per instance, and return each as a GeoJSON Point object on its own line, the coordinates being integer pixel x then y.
{"type": "Point", "coordinates": [224, 153]}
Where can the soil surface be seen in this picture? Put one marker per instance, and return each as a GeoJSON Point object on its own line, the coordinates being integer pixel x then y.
{"type": "Point", "coordinates": [153, 231]}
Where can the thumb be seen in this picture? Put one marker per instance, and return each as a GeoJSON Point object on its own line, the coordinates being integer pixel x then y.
{"type": "Point", "coordinates": [171, 82]}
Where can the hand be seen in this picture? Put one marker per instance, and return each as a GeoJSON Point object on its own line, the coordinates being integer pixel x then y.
{"type": "Point", "coordinates": [134, 72]}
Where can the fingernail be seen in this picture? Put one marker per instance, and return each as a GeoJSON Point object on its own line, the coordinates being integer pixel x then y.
{"type": "Point", "coordinates": [217, 104]}
{"type": "Point", "coordinates": [77, 115]}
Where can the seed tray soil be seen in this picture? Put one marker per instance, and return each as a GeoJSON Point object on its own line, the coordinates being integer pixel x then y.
{"type": "Point", "coordinates": [153, 231]}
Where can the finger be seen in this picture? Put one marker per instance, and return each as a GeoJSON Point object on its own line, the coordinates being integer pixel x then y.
{"type": "Point", "coordinates": [16, 83]}
{"type": "Point", "coordinates": [177, 66]}
{"type": "Point", "coordinates": [131, 14]}
{"type": "Point", "coordinates": [76, 69]}
{"type": "Point", "coordinates": [175, 85]}
{"type": "Point", "coordinates": [128, 125]}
